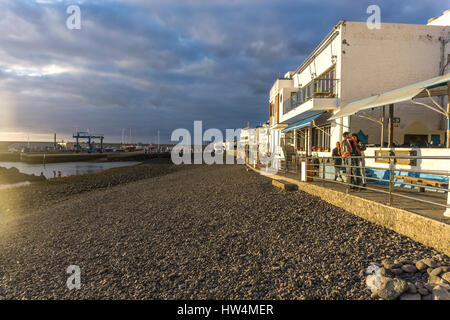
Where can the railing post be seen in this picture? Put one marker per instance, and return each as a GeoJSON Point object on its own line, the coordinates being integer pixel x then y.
{"type": "Point", "coordinates": [323, 171]}
{"type": "Point", "coordinates": [348, 173]}
{"type": "Point", "coordinates": [447, 211]}
{"type": "Point", "coordinates": [391, 179]}
{"type": "Point", "coordinates": [303, 169]}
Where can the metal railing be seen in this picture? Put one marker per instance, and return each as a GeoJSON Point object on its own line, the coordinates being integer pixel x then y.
{"type": "Point", "coordinates": [317, 88]}
{"type": "Point", "coordinates": [354, 175]}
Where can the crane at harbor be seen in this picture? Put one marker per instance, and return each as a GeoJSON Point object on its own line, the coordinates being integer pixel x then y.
{"type": "Point", "coordinates": [86, 135]}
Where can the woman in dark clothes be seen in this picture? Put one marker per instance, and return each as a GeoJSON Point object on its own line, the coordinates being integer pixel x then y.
{"type": "Point", "coordinates": [337, 160]}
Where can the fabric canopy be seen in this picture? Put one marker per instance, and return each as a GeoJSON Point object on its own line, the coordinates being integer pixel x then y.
{"type": "Point", "coordinates": [436, 86]}
{"type": "Point", "coordinates": [303, 123]}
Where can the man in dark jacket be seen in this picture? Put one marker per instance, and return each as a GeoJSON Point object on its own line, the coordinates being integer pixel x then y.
{"type": "Point", "coordinates": [350, 152]}
{"type": "Point", "coordinates": [361, 161]}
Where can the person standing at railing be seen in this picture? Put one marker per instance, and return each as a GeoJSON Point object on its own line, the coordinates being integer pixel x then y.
{"type": "Point", "coordinates": [350, 153]}
{"type": "Point", "coordinates": [337, 160]}
{"type": "Point", "coordinates": [315, 161]}
{"type": "Point", "coordinates": [362, 163]}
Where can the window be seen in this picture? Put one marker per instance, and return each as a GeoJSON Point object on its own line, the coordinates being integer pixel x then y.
{"type": "Point", "coordinates": [416, 140]}
{"type": "Point", "coordinates": [325, 84]}
{"type": "Point", "coordinates": [293, 95]}
{"type": "Point", "coordinates": [321, 137]}
{"type": "Point", "coordinates": [308, 92]}
{"type": "Point", "coordinates": [322, 86]}
{"type": "Point", "coordinates": [300, 96]}
{"type": "Point", "coordinates": [302, 135]}
{"type": "Point", "coordinates": [288, 139]}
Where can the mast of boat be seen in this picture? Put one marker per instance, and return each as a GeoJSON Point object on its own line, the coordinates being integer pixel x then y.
{"type": "Point", "coordinates": [158, 140]}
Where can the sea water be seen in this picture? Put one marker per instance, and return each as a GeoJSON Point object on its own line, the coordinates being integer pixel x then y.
{"type": "Point", "coordinates": [50, 170]}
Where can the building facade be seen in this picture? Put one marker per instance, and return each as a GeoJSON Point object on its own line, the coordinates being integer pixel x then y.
{"type": "Point", "coordinates": [354, 62]}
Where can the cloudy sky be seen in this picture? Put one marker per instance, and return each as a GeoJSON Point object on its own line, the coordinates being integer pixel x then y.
{"type": "Point", "coordinates": [160, 64]}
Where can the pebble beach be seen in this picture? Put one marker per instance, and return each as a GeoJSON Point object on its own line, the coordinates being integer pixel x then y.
{"type": "Point", "coordinates": [160, 231]}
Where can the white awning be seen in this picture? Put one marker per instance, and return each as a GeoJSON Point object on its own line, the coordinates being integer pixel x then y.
{"type": "Point", "coordinates": [436, 86]}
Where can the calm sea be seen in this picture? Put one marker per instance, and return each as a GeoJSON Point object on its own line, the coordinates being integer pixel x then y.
{"type": "Point", "coordinates": [66, 168]}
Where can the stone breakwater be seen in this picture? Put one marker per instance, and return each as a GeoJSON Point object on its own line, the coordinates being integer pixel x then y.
{"type": "Point", "coordinates": [404, 279]}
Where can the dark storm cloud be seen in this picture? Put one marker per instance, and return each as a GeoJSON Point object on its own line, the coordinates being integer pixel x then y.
{"type": "Point", "coordinates": [161, 64]}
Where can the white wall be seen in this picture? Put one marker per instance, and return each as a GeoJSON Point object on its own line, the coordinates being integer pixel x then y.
{"type": "Point", "coordinates": [278, 85]}
{"type": "Point", "coordinates": [377, 61]}
{"type": "Point", "coordinates": [322, 62]}
{"type": "Point", "coordinates": [434, 165]}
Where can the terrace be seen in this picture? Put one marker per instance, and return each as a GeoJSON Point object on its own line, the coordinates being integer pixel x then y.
{"type": "Point", "coordinates": [319, 94]}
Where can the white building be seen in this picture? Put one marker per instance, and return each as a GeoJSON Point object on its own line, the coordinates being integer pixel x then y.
{"type": "Point", "coordinates": [262, 136]}
{"type": "Point", "coordinates": [255, 141]}
{"type": "Point", "coordinates": [354, 62]}
{"type": "Point", "coordinates": [443, 20]}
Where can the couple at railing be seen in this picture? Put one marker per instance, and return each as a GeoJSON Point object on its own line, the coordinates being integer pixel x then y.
{"type": "Point", "coordinates": [350, 151]}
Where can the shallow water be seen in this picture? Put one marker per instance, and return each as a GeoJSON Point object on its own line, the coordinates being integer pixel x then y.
{"type": "Point", "coordinates": [67, 168]}
{"type": "Point", "coordinates": [14, 185]}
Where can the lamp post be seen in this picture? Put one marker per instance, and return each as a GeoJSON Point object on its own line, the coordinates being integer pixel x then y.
{"type": "Point", "coordinates": [391, 126]}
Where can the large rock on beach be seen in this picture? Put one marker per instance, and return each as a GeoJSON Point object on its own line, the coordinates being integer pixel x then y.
{"type": "Point", "coordinates": [446, 276]}
{"type": "Point", "coordinates": [409, 268]}
{"type": "Point", "coordinates": [441, 293]}
{"type": "Point", "coordinates": [436, 280]}
{"type": "Point", "coordinates": [420, 265]}
{"type": "Point", "coordinates": [430, 262]}
{"type": "Point", "coordinates": [391, 289]}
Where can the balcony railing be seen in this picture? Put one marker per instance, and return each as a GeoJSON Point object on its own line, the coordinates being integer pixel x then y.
{"type": "Point", "coordinates": [318, 88]}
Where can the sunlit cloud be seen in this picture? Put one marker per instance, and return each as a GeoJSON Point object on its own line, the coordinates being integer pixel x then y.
{"type": "Point", "coordinates": [36, 72]}
{"type": "Point", "coordinates": [27, 136]}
